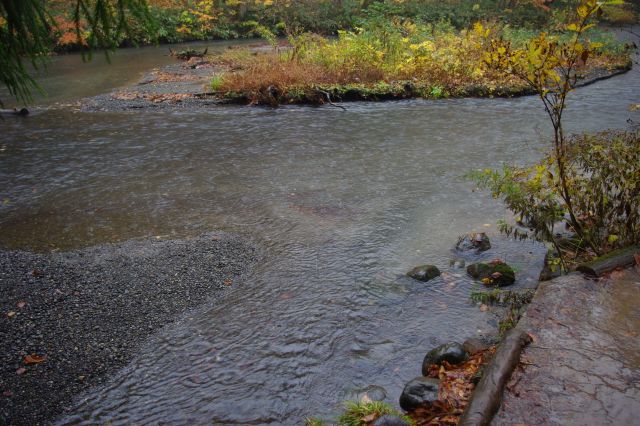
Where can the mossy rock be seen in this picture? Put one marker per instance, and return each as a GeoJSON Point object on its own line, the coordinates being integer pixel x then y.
{"type": "Point", "coordinates": [494, 273]}
{"type": "Point", "coordinates": [424, 272]}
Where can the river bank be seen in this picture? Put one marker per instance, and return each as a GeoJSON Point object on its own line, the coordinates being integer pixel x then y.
{"type": "Point", "coordinates": [70, 319]}
{"type": "Point", "coordinates": [582, 366]}
{"type": "Point", "coordinates": [187, 85]}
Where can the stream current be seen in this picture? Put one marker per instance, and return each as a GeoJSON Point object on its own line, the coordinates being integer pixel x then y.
{"type": "Point", "coordinates": [342, 204]}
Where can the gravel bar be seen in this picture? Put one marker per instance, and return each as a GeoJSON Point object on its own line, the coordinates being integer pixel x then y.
{"type": "Point", "coordinates": [67, 320]}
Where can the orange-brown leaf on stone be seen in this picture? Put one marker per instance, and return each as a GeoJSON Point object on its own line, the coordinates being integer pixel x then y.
{"type": "Point", "coordinates": [636, 256]}
{"type": "Point", "coordinates": [228, 281]}
{"type": "Point", "coordinates": [33, 359]}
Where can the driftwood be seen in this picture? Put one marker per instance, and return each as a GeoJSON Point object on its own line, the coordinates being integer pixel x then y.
{"type": "Point", "coordinates": [188, 54]}
{"type": "Point", "coordinates": [328, 96]}
{"type": "Point", "coordinates": [14, 111]}
{"type": "Point", "coordinates": [621, 258]}
{"type": "Point", "coordinates": [487, 396]}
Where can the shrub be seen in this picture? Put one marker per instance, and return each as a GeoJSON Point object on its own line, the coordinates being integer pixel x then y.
{"type": "Point", "coordinates": [603, 181]}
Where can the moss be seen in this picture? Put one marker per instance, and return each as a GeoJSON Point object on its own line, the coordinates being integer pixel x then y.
{"type": "Point", "coordinates": [355, 412]}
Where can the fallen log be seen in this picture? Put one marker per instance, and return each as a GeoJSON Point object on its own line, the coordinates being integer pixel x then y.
{"type": "Point", "coordinates": [487, 396]}
{"type": "Point", "coordinates": [14, 111]}
{"type": "Point", "coordinates": [188, 54]}
{"type": "Point", "coordinates": [621, 258]}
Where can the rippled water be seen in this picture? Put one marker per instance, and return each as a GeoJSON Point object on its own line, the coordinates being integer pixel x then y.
{"type": "Point", "coordinates": [343, 203]}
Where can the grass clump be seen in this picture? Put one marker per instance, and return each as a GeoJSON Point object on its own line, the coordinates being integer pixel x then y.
{"type": "Point", "coordinates": [362, 413]}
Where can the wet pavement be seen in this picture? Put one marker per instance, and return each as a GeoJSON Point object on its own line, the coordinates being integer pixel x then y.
{"type": "Point", "coordinates": [583, 367]}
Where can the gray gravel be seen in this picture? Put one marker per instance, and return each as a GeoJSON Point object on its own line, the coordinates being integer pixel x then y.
{"type": "Point", "coordinates": [87, 311]}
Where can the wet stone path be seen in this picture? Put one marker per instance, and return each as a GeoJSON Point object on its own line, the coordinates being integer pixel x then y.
{"type": "Point", "coordinates": [583, 367]}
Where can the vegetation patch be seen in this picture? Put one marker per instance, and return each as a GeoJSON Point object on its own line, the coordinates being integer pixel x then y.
{"type": "Point", "coordinates": [389, 59]}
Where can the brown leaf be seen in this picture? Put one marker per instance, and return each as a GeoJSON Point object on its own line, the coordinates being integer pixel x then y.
{"type": "Point", "coordinates": [636, 256]}
{"type": "Point", "coordinates": [228, 281]}
{"type": "Point", "coordinates": [368, 419]}
{"type": "Point", "coordinates": [11, 314]}
{"type": "Point", "coordinates": [33, 359]}
{"type": "Point", "coordinates": [21, 304]}
{"type": "Point", "coordinates": [20, 371]}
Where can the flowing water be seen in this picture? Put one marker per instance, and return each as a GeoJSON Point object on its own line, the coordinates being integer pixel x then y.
{"type": "Point", "coordinates": [342, 203]}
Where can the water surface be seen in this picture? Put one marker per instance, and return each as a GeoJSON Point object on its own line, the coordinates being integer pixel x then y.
{"type": "Point", "coordinates": [343, 203]}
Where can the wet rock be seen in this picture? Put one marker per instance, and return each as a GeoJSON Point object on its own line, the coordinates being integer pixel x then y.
{"type": "Point", "coordinates": [473, 346]}
{"type": "Point", "coordinates": [389, 420]}
{"type": "Point", "coordinates": [372, 392]}
{"type": "Point", "coordinates": [452, 352]}
{"type": "Point", "coordinates": [424, 272]}
{"type": "Point", "coordinates": [495, 273]}
{"type": "Point", "coordinates": [457, 263]}
{"type": "Point", "coordinates": [475, 242]}
{"type": "Point", "coordinates": [419, 392]}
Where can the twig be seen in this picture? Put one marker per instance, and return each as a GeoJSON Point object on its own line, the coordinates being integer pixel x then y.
{"type": "Point", "coordinates": [326, 94]}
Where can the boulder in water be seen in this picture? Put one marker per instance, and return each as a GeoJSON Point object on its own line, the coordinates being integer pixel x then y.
{"type": "Point", "coordinates": [424, 272]}
{"type": "Point", "coordinates": [390, 420]}
{"type": "Point", "coordinates": [495, 273]}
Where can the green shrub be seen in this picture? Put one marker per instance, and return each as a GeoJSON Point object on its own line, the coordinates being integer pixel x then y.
{"type": "Point", "coordinates": [603, 177]}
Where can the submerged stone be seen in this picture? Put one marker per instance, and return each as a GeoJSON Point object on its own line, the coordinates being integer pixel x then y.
{"type": "Point", "coordinates": [390, 420]}
{"type": "Point", "coordinates": [452, 352]}
{"type": "Point", "coordinates": [419, 392]}
{"type": "Point", "coordinates": [424, 272]}
{"type": "Point", "coordinates": [493, 273]}
{"type": "Point", "coordinates": [476, 242]}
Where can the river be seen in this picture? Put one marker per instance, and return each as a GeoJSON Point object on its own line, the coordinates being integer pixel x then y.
{"type": "Point", "coordinates": [342, 203]}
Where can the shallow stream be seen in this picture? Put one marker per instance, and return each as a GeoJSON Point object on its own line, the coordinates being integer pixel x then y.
{"type": "Point", "coordinates": [343, 203]}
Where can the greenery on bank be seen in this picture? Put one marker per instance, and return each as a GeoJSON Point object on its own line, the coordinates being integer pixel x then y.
{"type": "Point", "coordinates": [603, 181]}
{"type": "Point", "coordinates": [390, 59]}
{"type": "Point", "coordinates": [588, 183]}
{"type": "Point", "coordinates": [183, 20]}
{"type": "Point", "coordinates": [392, 35]}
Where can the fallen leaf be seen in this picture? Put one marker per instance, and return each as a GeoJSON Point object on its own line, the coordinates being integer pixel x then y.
{"type": "Point", "coordinates": [33, 359]}
{"type": "Point", "coordinates": [37, 273]}
{"type": "Point", "coordinates": [228, 281]}
{"type": "Point", "coordinates": [365, 399]}
{"type": "Point", "coordinates": [20, 371]}
{"type": "Point", "coordinates": [11, 314]}
{"type": "Point", "coordinates": [636, 256]}
{"type": "Point", "coordinates": [21, 304]}
{"type": "Point", "coordinates": [484, 308]}
{"type": "Point", "coordinates": [368, 419]}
